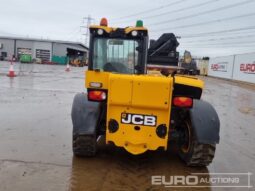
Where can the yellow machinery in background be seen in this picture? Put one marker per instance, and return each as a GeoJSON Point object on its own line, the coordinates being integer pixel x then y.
{"type": "Point", "coordinates": [78, 62]}
{"type": "Point", "coordinates": [135, 110]}
{"type": "Point", "coordinates": [189, 65]}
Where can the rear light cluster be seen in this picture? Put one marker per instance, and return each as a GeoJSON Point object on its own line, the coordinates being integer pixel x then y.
{"type": "Point", "coordinates": [96, 95]}
{"type": "Point", "coordinates": [184, 102]}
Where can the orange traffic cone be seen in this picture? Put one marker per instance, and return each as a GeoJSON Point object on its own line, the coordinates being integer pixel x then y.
{"type": "Point", "coordinates": [11, 72]}
{"type": "Point", "coordinates": [67, 68]}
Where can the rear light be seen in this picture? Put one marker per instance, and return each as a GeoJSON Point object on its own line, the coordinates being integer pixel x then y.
{"type": "Point", "coordinates": [96, 95]}
{"type": "Point", "coordinates": [182, 101]}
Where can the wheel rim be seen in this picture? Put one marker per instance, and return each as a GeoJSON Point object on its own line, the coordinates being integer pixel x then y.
{"type": "Point", "coordinates": [185, 146]}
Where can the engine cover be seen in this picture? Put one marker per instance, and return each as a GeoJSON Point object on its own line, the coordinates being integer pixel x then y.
{"type": "Point", "coordinates": [138, 111]}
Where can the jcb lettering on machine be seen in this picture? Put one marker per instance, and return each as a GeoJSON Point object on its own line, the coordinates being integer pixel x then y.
{"type": "Point", "coordinates": [138, 119]}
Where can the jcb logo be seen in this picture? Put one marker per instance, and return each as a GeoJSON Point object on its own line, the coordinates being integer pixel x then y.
{"type": "Point", "coordinates": [137, 119]}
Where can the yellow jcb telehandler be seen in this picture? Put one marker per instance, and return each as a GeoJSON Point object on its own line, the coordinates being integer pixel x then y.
{"type": "Point", "coordinates": [135, 110]}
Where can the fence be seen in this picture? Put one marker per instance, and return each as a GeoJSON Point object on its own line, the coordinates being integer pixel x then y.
{"type": "Point", "coordinates": [237, 67]}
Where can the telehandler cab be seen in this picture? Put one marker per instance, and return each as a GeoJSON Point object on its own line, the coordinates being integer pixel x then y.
{"type": "Point", "coordinates": [135, 110]}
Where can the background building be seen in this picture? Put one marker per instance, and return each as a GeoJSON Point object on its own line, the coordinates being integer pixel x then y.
{"type": "Point", "coordinates": [44, 50]}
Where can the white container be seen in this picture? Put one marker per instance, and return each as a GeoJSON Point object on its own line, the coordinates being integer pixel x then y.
{"type": "Point", "coordinates": [221, 67]}
{"type": "Point", "coordinates": [244, 68]}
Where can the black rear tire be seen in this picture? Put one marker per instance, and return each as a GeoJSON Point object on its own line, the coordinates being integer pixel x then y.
{"type": "Point", "coordinates": [84, 145]}
{"type": "Point", "coordinates": [84, 117]}
{"type": "Point", "coordinates": [192, 152]}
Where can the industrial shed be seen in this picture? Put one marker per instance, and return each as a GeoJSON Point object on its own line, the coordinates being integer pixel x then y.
{"type": "Point", "coordinates": [45, 50]}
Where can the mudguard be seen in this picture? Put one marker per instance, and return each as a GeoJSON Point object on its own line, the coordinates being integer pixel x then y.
{"type": "Point", "coordinates": [85, 115]}
{"type": "Point", "coordinates": [205, 122]}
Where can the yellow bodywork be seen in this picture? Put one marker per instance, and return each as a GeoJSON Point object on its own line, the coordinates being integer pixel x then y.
{"type": "Point", "coordinates": [189, 81]}
{"type": "Point", "coordinates": [136, 94]}
{"type": "Point", "coordinates": [138, 104]}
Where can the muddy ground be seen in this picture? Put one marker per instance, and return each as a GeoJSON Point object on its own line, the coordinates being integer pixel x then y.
{"type": "Point", "coordinates": [36, 129]}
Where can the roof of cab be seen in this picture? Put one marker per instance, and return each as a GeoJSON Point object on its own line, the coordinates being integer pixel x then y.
{"type": "Point", "coordinates": [112, 29]}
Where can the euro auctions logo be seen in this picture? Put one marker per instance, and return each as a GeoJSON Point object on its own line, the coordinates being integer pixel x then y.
{"type": "Point", "coordinates": [221, 67]}
{"type": "Point", "coordinates": [200, 180]}
{"type": "Point", "coordinates": [248, 68]}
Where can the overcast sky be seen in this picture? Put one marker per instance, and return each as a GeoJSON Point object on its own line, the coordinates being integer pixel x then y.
{"type": "Point", "coordinates": [206, 27]}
